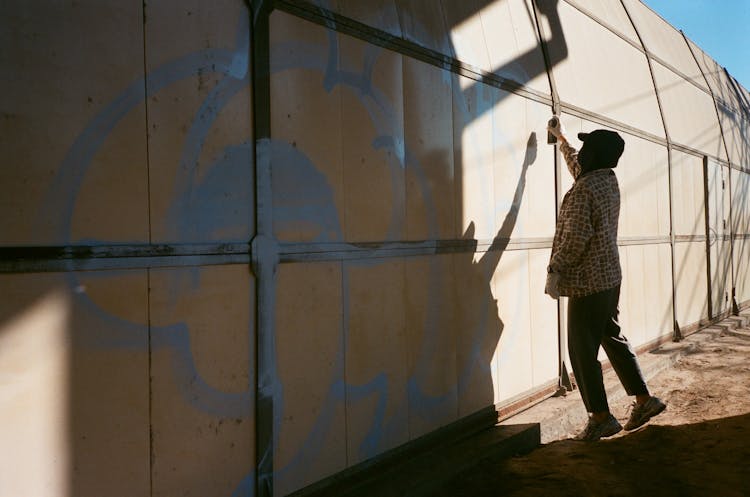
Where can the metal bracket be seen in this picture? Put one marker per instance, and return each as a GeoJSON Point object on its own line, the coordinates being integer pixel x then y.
{"type": "Point", "coordinates": [565, 384]}
{"type": "Point", "coordinates": [677, 334]}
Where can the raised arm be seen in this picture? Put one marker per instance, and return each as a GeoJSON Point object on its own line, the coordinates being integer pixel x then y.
{"type": "Point", "coordinates": [570, 154]}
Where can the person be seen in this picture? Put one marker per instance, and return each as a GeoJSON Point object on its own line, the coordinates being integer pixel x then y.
{"type": "Point", "coordinates": [585, 267]}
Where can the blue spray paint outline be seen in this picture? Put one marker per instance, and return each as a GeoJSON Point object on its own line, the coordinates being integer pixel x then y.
{"type": "Point", "coordinates": [233, 66]}
{"type": "Point", "coordinates": [381, 116]}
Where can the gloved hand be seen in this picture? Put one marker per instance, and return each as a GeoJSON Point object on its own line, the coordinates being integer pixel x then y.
{"type": "Point", "coordinates": [558, 131]}
{"type": "Point", "coordinates": [551, 288]}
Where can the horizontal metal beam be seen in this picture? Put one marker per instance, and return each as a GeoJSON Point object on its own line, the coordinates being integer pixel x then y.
{"type": "Point", "coordinates": [32, 259]}
{"type": "Point", "coordinates": [600, 119]}
{"type": "Point", "coordinates": [642, 240]}
{"type": "Point", "coordinates": [689, 238]}
{"type": "Point", "coordinates": [364, 32]}
{"type": "Point", "coordinates": [299, 252]}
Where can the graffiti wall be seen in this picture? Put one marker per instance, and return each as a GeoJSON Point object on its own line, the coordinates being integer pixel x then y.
{"type": "Point", "coordinates": [127, 322]}
{"type": "Point", "coordinates": [247, 246]}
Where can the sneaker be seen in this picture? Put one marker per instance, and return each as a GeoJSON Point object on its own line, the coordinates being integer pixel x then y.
{"type": "Point", "coordinates": [642, 413]}
{"type": "Point", "coordinates": [594, 431]}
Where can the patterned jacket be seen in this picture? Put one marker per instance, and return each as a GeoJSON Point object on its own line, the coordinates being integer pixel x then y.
{"type": "Point", "coordinates": [584, 250]}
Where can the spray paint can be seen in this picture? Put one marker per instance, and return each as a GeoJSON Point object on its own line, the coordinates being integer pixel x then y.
{"type": "Point", "coordinates": [550, 137]}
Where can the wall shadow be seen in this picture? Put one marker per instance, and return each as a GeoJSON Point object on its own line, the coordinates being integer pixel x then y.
{"type": "Point", "coordinates": [479, 324]}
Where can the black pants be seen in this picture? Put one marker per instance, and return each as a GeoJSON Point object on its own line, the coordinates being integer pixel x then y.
{"type": "Point", "coordinates": [592, 321]}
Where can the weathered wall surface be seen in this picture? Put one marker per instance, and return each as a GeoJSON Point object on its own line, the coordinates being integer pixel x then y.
{"type": "Point", "coordinates": [247, 248]}
{"type": "Point", "coordinates": [128, 331]}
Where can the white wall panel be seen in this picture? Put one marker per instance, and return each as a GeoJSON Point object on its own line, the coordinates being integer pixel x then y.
{"type": "Point", "coordinates": [721, 277]}
{"type": "Point", "coordinates": [109, 382]}
{"type": "Point", "coordinates": [646, 293]}
{"type": "Point", "coordinates": [423, 22]}
{"type": "Point", "coordinates": [741, 228]}
{"type": "Point", "coordinates": [199, 121]}
{"type": "Point", "coordinates": [643, 174]}
{"type": "Point", "coordinates": [309, 401]}
{"type": "Point", "coordinates": [473, 150]}
{"type": "Point", "coordinates": [661, 319]}
{"type": "Point", "coordinates": [428, 143]}
{"type": "Point", "coordinates": [513, 43]}
{"type": "Point", "coordinates": [714, 74]}
{"type": "Point", "coordinates": [632, 294]}
{"type": "Point", "coordinates": [543, 320]}
{"type": "Point", "coordinates": [688, 197]}
{"type": "Point", "coordinates": [372, 134]}
{"type": "Point", "coordinates": [604, 74]}
{"type": "Point", "coordinates": [731, 99]}
{"type": "Point", "coordinates": [664, 41]}
{"type": "Point", "coordinates": [432, 325]}
{"type": "Point", "coordinates": [523, 168]}
{"type": "Point", "coordinates": [536, 218]}
{"type": "Point", "coordinates": [35, 360]}
{"type": "Point", "coordinates": [307, 171]}
{"type": "Point", "coordinates": [73, 132]}
{"type": "Point", "coordinates": [611, 13]}
{"type": "Point", "coordinates": [691, 299]}
{"type": "Point", "coordinates": [512, 361]}
{"type": "Point", "coordinates": [734, 125]}
{"type": "Point", "coordinates": [377, 404]}
{"type": "Point", "coordinates": [467, 33]}
{"type": "Point", "coordinates": [740, 202]}
{"type": "Point", "coordinates": [202, 379]}
{"type": "Point", "coordinates": [742, 271]}
{"type": "Point", "coordinates": [74, 354]}
{"type": "Point", "coordinates": [717, 184]}
{"type": "Point", "coordinates": [689, 112]}
{"type": "Point", "coordinates": [379, 14]}
{"type": "Point", "coordinates": [478, 335]}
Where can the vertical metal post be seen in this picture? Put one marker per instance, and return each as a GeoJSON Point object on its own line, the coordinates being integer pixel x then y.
{"type": "Point", "coordinates": [707, 219]}
{"type": "Point", "coordinates": [735, 308]}
{"type": "Point", "coordinates": [676, 333]}
{"type": "Point", "coordinates": [564, 383]}
{"type": "Point", "coordinates": [264, 251]}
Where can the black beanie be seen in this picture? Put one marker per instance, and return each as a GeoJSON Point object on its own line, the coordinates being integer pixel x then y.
{"type": "Point", "coordinates": [605, 147]}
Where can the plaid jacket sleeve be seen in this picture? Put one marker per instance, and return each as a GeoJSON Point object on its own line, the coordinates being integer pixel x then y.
{"type": "Point", "coordinates": [574, 231]}
{"type": "Point", "coordinates": [570, 154]}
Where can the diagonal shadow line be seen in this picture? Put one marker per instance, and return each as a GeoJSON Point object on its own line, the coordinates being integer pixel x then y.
{"type": "Point", "coordinates": [556, 44]}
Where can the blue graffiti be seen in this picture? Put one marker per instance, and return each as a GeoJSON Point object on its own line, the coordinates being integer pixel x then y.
{"type": "Point", "coordinates": [302, 201]}
{"type": "Point", "coordinates": [226, 188]}
{"type": "Point", "coordinates": [302, 196]}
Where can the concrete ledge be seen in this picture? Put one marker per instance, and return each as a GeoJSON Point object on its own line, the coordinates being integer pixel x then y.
{"type": "Point", "coordinates": [422, 474]}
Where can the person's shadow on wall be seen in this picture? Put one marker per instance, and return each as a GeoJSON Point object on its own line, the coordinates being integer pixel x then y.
{"type": "Point", "coordinates": [479, 324]}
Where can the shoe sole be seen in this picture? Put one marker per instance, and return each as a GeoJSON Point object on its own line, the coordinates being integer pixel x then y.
{"type": "Point", "coordinates": [661, 410]}
{"type": "Point", "coordinates": [612, 434]}
{"type": "Point", "coordinates": [603, 435]}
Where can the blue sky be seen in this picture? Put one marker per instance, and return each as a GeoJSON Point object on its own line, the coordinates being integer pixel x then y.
{"type": "Point", "coordinates": [720, 27]}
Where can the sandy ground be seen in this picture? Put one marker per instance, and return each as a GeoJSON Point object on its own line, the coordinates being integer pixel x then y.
{"type": "Point", "coordinates": [699, 446]}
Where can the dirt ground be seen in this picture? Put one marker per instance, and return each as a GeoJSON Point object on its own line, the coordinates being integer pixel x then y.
{"type": "Point", "coordinates": [699, 446]}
